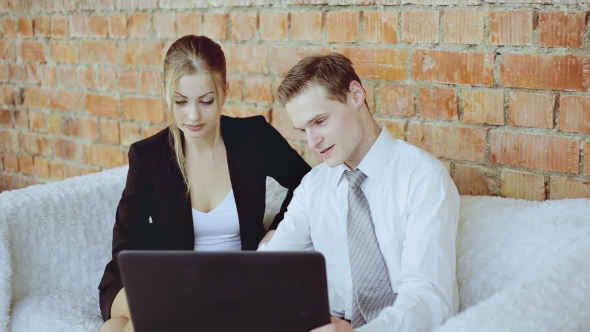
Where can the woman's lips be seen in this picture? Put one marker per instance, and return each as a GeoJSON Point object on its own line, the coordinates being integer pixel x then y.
{"type": "Point", "coordinates": [196, 127]}
{"type": "Point", "coordinates": [324, 153]}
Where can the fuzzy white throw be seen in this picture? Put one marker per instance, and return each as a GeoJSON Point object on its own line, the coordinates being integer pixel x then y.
{"type": "Point", "coordinates": [520, 264]}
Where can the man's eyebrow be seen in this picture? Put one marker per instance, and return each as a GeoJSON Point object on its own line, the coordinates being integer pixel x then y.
{"type": "Point", "coordinates": [312, 120]}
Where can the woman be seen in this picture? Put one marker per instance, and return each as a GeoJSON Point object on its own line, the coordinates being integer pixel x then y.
{"type": "Point", "coordinates": [200, 183]}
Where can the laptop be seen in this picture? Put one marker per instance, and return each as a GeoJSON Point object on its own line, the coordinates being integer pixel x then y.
{"type": "Point", "coordinates": [225, 291]}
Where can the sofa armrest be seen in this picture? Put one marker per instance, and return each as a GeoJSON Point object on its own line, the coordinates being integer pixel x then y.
{"type": "Point", "coordinates": [555, 299]}
{"type": "Point", "coordinates": [5, 272]}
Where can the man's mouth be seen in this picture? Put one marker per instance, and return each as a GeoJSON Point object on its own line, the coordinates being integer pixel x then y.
{"type": "Point", "coordinates": [325, 152]}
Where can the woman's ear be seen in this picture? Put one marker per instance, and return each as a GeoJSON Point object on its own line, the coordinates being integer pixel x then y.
{"type": "Point", "coordinates": [358, 93]}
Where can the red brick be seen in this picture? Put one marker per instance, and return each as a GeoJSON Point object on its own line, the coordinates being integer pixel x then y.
{"type": "Point", "coordinates": [214, 26]}
{"type": "Point", "coordinates": [532, 109]}
{"type": "Point", "coordinates": [7, 51]}
{"type": "Point", "coordinates": [22, 117]}
{"type": "Point", "coordinates": [25, 26]}
{"type": "Point", "coordinates": [562, 188]}
{"type": "Point", "coordinates": [10, 161]}
{"type": "Point", "coordinates": [575, 114]}
{"type": "Point", "coordinates": [105, 155]}
{"type": "Point", "coordinates": [56, 170]}
{"type": "Point", "coordinates": [151, 130]}
{"type": "Point", "coordinates": [144, 109]}
{"type": "Point", "coordinates": [67, 76]}
{"type": "Point", "coordinates": [451, 142]}
{"type": "Point", "coordinates": [453, 67]}
{"type": "Point", "coordinates": [380, 27]}
{"type": "Point", "coordinates": [78, 25]}
{"type": "Point", "coordinates": [25, 164]}
{"type": "Point", "coordinates": [4, 73]}
{"type": "Point", "coordinates": [102, 105]}
{"type": "Point", "coordinates": [73, 170]}
{"type": "Point", "coordinates": [396, 100]}
{"type": "Point", "coordinates": [41, 167]}
{"type": "Point", "coordinates": [151, 82]}
{"type": "Point", "coordinates": [117, 25]}
{"type": "Point", "coordinates": [42, 26]}
{"type": "Point", "coordinates": [548, 71]}
{"type": "Point", "coordinates": [6, 118]}
{"type": "Point", "coordinates": [35, 121]}
{"type": "Point", "coordinates": [438, 103]}
{"type": "Point", "coordinates": [342, 27]}
{"type": "Point", "coordinates": [164, 25]}
{"type": "Point", "coordinates": [587, 158]}
{"type": "Point", "coordinates": [234, 89]}
{"type": "Point", "coordinates": [54, 123]}
{"type": "Point", "coordinates": [34, 97]}
{"type": "Point", "coordinates": [513, 27]}
{"type": "Point", "coordinates": [483, 106]}
{"type": "Point", "coordinates": [244, 111]}
{"type": "Point", "coordinates": [282, 122]}
{"type": "Point", "coordinates": [136, 4]}
{"type": "Point", "coordinates": [107, 78]}
{"type": "Point", "coordinates": [35, 144]}
{"type": "Point", "coordinates": [9, 28]}
{"type": "Point", "coordinates": [138, 25]}
{"type": "Point", "coordinates": [86, 76]}
{"type": "Point", "coordinates": [130, 133]}
{"type": "Point", "coordinates": [273, 26]}
{"type": "Point", "coordinates": [32, 51]}
{"type": "Point", "coordinates": [59, 26]}
{"type": "Point", "coordinates": [548, 153]}
{"type": "Point", "coordinates": [64, 100]}
{"type": "Point", "coordinates": [258, 89]}
{"type": "Point", "coordinates": [9, 140]}
{"type": "Point", "coordinates": [243, 25]}
{"type": "Point", "coordinates": [97, 26]}
{"type": "Point", "coordinates": [562, 29]}
{"type": "Point", "coordinates": [99, 51]}
{"type": "Point", "coordinates": [246, 58]}
{"type": "Point", "coordinates": [473, 180]}
{"type": "Point", "coordinates": [420, 27]}
{"type": "Point", "coordinates": [385, 64]}
{"type": "Point", "coordinates": [523, 186]}
{"type": "Point", "coordinates": [84, 128]}
{"type": "Point", "coordinates": [26, 73]}
{"type": "Point", "coordinates": [128, 80]}
{"type": "Point", "coordinates": [284, 58]}
{"type": "Point", "coordinates": [109, 131]}
{"type": "Point", "coordinates": [306, 26]}
{"type": "Point", "coordinates": [48, 75]}
{"type": "Point", "coordinates": [97, 4]}
{"type": "Point", "coordinates": [395, 127]}
{"type": "Point", "coordinates": [463, 27]}
{"type": "Point", "coordinates": [142, 53]}
{"type": "Point", "coordinates": [7, 95]}
{"type": "Point", "coordinates": [70, 150]}
{"type": "Point", "coordinates": [64, 51]}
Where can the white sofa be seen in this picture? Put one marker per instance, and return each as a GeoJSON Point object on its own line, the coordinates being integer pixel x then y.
{"type": "Point", "coordinates": [521, 266]}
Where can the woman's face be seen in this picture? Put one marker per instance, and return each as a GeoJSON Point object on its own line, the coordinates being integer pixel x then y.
{"type": "Point", "coordinates": [195, 105]}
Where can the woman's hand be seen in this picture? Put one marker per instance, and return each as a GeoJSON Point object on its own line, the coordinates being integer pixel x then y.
{"type": "Point", "coordinates": [267, 237]}
{"type": "Point", "coordinates": [337, 325]}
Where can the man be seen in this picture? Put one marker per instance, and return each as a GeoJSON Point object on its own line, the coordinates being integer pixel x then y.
{"type": "Point", "coordinates": [382, 212]}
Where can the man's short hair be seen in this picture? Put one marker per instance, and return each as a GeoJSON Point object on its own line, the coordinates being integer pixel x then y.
{"type": "Point", "coordinates": [332, 71]}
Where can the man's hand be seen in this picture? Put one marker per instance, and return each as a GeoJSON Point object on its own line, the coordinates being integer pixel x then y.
{"type": "Point", "coordinates": [337, 325]}
{"type": "Point", "coordinates": [266, 237]}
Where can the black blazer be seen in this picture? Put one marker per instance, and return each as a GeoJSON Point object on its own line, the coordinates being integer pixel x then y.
{"type": "Point", "coordinates": [155, 189]}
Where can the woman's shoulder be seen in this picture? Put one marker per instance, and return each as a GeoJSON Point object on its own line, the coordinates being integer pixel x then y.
{"type": "Point", "coordinates": [149, 150]}
{"type": "Point", "coordinates": [243, 123]}
{"type": "Point", "coordinates": [161, 137]}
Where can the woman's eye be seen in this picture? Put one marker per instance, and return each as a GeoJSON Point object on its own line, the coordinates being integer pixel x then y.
{"type": "Point", "coordinates": [180, 102]}
{"type": "Point", "coordinates": [207, 102]}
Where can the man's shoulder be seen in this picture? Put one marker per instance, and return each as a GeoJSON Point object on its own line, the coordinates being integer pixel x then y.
{"type": "Point", "coordinates": [415, 157]}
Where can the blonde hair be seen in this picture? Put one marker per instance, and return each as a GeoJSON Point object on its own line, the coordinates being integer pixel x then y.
{"type": "Point", "coordinates": [186, 56]}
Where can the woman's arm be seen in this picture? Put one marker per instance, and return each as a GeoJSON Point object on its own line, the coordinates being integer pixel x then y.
{"type": "Point", "coordinates": [283, 164]}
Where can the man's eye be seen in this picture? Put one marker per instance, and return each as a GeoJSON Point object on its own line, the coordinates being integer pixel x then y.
{"type": "Point", "coordinates": [320, 121]}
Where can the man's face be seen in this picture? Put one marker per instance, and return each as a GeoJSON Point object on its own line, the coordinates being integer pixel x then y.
{"type": "Point", "coordinates": [331, 128]}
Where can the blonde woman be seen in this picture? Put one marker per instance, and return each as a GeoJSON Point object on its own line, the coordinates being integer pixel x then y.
{"type": "Point", "coordinates": [200, 183]}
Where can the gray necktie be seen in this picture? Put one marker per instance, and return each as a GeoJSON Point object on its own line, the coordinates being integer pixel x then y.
{"type": "Point", "coordinates": [371, 289]}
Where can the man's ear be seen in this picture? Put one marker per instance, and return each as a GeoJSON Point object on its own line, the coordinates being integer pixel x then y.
{"type": "Point", "coordinates": [358, 94]}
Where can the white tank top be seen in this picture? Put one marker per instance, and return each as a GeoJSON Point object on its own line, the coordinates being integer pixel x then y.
{"type": "Point", "coordinates": [218, 229]}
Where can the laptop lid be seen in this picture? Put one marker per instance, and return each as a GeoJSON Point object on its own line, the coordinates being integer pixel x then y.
{"type": "Point", "coordinates": [225, 291]}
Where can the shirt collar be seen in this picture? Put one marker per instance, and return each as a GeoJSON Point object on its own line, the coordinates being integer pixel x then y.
{"type": "Point", "coordinates": [373, 163]}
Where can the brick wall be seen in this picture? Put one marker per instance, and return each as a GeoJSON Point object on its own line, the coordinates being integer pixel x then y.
{"type": "Point", "coordinates": [499, 90]}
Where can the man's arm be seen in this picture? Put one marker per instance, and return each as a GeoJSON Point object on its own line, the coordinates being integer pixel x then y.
{"type": "Point", "coordinates": [293, 233]}
{"type": "Point", "coordinates": [426, 287]}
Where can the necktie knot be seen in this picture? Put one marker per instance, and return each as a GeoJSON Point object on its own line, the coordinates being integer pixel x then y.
{"type": "Point", "coordinates": [355, 177]}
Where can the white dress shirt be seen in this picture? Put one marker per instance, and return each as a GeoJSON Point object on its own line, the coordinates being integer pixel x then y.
{"type": "Point", "coordinates": [415, 209]}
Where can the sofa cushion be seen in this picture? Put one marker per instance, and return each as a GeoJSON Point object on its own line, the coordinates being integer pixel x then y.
{"type": "Point", "coordinates": [5, 270]}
